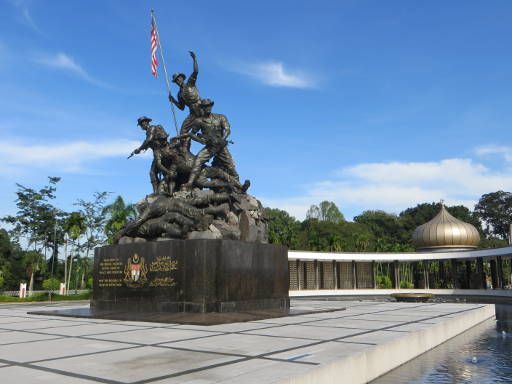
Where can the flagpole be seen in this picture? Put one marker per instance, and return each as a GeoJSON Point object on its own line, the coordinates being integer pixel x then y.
{"type": "Point", "coordinates": [165, 70]}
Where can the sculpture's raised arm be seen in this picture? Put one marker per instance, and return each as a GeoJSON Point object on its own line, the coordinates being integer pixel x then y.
{"type": "Point", "coordinates": [193, 77]}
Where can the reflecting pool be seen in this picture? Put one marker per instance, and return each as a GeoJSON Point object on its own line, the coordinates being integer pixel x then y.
{"type": "Point", "coordinates": [481, 355]}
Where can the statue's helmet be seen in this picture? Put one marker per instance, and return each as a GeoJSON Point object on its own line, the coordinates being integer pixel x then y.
{"type": "Point", "coordinates": [207, 103]}
{"type": "Point", "coordinates": [176, 75]}
{"type": "Point", "coordinates": [142, 119]}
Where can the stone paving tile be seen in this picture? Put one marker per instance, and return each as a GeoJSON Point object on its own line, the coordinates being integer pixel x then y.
{"type": "Point", "coordinates": [41, 324]}
{"type": "Point", "coordinates": [228, 353]}
{"type": "Point", "coordinates": [233, 327]}
{"type": "Point", "coordinates": [137, 364]}
{"type": "Point", "coordinates": [412, 327]}
{"type": "Point", "coordinates": [358, 322]}
{"type": "Point", "coordinates": [51, 349]}
{"type": "Point", "coordinates": [88, 329]}
{"type": "Point", "coordinates": [323, 353]}
{"type": "Point", "coordinates": [142, 324]}
{"type": "Point", "coordinates": [246, 372]}
{"type": "Point", "coordinates": [305, 331]}
{"type": "Point", "coordinates": [153, 336]}
{"type": "Point", "coordinates": [22, 337]}
{"type": "Point", "coordinates": [394, 317]}
{"type": "Point", "coordinates": [243, 344]}
{"type": "Point", "coordinates": [377, 337]}
{"type": "Point", "coordinates": [286, 320]}
{"type": "Point", "coordinates": [27, 375]}
{"type": "Point", "coordinates": [11, 320]}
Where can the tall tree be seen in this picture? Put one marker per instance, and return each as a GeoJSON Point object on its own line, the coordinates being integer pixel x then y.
{"type": "Point", "coordinates": [325, 211]}
{"type": "Point", "coordinates": [37, 222]}
{"type": "Point", "coordinates": [326, 236]}
{"type": "Point", "coordinates": [75, 227]}
{"type": "Point", "coordinates": [388, 230]}
{"type": "Point", "coordinates": [94, 214]}
{"type": "Point", "coordinates": [282, 228]}
{"type": "Point", "coordinates": [11, 265]}
{"type": "Point", "coordinates": [33, 265]}
{"type": "Point", "coordinates": [495, 210]}
{"type": "Point", "coordinates": [118, 214]}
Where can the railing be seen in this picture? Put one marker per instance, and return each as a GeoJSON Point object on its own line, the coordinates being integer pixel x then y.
{"type": "Point", "coordinates": [468, 269]}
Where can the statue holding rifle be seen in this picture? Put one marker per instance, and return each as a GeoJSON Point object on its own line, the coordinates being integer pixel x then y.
{"type": "Point", "coordinates": [194, 195]}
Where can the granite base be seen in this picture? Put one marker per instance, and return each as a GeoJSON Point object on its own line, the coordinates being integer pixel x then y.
{"type": "Point", "coordinates": [190, 276]}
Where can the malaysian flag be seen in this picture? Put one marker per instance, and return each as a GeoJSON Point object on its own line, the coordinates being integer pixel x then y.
{"type": "Point", "coordinates": [154, 42]}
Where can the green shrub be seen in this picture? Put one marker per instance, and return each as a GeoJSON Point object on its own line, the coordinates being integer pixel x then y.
{"type": "Point", "coordinates": [51, 284]}
{"type": "Point", "coordinates": [384, 282]}
{"type": "Point", "coordinates": [406, 285]}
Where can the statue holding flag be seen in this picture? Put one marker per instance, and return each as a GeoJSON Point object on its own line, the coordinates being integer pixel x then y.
{"type": "Point", "coordinates": [188, 96]}
{"type": "Point", "coordinates": [206, 184]}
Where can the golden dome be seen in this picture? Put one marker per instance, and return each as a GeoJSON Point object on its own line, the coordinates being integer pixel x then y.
{"type": "Point", "coordinates": [445, 231]}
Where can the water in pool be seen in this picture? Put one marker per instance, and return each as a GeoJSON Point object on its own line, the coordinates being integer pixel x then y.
{"type": "Point", "coordinates": [480, 355]}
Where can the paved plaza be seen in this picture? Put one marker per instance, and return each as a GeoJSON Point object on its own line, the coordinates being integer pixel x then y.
{"type": "Point", "coordinates": [51, 349]}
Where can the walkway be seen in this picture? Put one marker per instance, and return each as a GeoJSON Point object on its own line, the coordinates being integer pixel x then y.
{"type": "Point", "coordinates": [352, 345]}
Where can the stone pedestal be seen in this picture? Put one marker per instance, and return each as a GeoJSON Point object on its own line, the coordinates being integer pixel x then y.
{"type": "Point", "coordinates": [190, 276]}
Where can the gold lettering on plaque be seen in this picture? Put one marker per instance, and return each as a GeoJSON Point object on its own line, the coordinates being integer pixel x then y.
{"type": "Point", "coordinates": [162, 282]}
{"type": "Point", "coordinates": [163, 264]}
{"type": "Point", "coordinates": [110, 271]}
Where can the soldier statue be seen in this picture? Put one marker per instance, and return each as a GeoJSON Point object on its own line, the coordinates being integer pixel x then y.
{"type": "Point", "coordinates": [156, 137]}
{"type": "Point", "coordinates": [212, 130]}
{"type": "Point", "coordinates": [188, 96]}
{"type": "Point", "coordinates": [194, 196]}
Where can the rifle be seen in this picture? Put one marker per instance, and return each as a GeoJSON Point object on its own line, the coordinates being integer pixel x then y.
{"type": "Point", "coordinates": [131, 154]}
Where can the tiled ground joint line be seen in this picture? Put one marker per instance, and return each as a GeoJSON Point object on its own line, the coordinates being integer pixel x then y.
{"type": "Point", "coordinates": [134, 345]}
{"type": "Point", "coordinates": [177, 374]}
{"type": "Point", "coordinates": [245, 358]}
{"type": "Point", "coordinates": [60, 372]}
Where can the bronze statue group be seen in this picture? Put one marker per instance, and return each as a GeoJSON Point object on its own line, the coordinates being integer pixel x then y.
{"type": "Point", "coordinates": [191, 198]}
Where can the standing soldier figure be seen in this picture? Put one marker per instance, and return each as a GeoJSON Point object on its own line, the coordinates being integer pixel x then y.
{"type": "Point", "coordinates": [188, 96]}
{"type": "Point", "coordinates": [156, 137]}
{"type": "Point", "coordinates": [212, 130]}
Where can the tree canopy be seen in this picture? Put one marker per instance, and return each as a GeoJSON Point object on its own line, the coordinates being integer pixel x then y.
{"type": "Point", "coordinates": [325, 229]}
{"type": "Point", "coordinates": [495, 211]}
{"type": "Point", "coordinates": [325, 211]}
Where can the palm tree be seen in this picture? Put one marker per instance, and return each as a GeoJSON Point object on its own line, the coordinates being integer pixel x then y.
{"type": "Point", "coordinates": [32, 262]}
{"type": "Point", "coordinates": [75, 228]}
{"type": "Point", "coordinates": [83, 265]}
{"type": "Point", "coordinates": [118, 215]}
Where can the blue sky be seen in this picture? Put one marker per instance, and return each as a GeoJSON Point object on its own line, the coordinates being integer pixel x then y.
{"type": "Point", "coordinates": [370, 104]}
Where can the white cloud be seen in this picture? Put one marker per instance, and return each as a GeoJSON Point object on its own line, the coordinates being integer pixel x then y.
{"type": "Point", "coordinates": [66, 63]}
{"type": "Point", "coordinates": [394, 186]}
{"type": "Point", "coordinates": [26, 16]}
{"type": "Point", "coordinates": [274, 74]}
{"type": "Point", "coordinates": [67, 157]}
{"type": "Point", "coordinates": [29, 20]}
{"type": "Point", "coordinates": [502, 150]}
